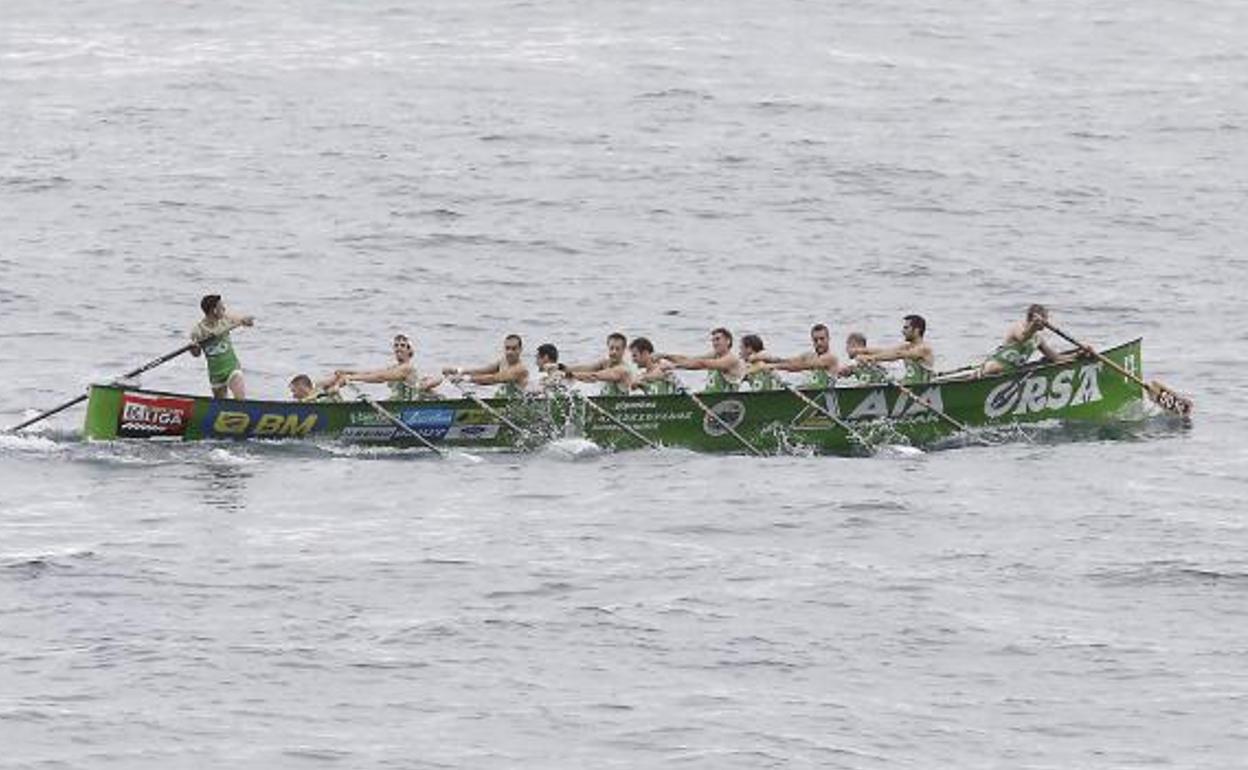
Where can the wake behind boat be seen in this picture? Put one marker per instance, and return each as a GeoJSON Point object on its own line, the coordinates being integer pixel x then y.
{"type": "Point", "coordinates": [833, 420]}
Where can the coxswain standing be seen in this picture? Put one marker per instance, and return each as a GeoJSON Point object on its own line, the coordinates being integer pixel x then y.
{"type": "Point", "coordinates": [212, 338]}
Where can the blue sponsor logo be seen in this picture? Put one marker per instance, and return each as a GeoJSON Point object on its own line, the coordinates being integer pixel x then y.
{"type": "Point", "coordinates": [231, 419]}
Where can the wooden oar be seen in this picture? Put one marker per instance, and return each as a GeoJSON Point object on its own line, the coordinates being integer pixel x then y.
{"type": "Point", "coordinates": [1160, 393]}
{"type": "Point", "coordinates": [147, 367]}
{"type": "Point", "coordinates": [857, 436]}
{"type": "Point", "coordinates": [929, 405]}
{"type": "Point", "coordinates": [707, 411]}
{"type": "Point", "coordinates": [618, 423]}
{"type": "Point", "coordinates": [381, 410]}
{"type": "Point", "coordinates": [489, 409]}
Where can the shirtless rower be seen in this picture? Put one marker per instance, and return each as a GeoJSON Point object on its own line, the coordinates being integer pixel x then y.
{"type": "Point", "coordinates": [820, 363]}
{"type": "Point", "coordinates": [724, 370]}
{"type": "Point", "coordinates": [914, 353]}
{"type": "Point", "coordinates": [651, 378]}
{"type": "Point", "coordinates": [304, 390]}
{"type": "Point", "coordinates": [1022, 340]}
{"type": "Point", "coordinates": [758, 375]}
{"type": "Point", "coordinates": [553, 373]}
{"type": "Point", "coordinates": [509, 373]}
{"type": "Point", "coordinates": [612, 371]}
{"type": "Point", "coordinates": [212, 338]}
{"type": "Point", "coordinates": [857, 370]}
{"type": "Point", "coordinates": [401, 377]}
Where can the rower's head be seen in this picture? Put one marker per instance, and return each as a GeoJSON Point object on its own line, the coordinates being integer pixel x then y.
{"type": "Point", "coordinates": [913, 327]}
{"type": "Point", "coordinates": [300, 387]}
{"type": "Point", "coordinates": [1037, 317]}
{"type": "Point", "coordinates": [721, 341]}
{"type": "Point", "coordinates": [642, 351]}
{"type": "Point", "coordinates": [402, 348]}
{"type": "Point", "coordinates": [854, 341]}
{"type": "Point", "coordinates": [547, 354]}
{"type": "Point", "coordinates": [512, 347]}
{"type": "Point", "coordinates": [616, 345]}
{"type": "Point", "coordinates": [212, 306]}
{"type": "Point", "coordinates": [751, 344]}
{"type": "Point", "coordinates": [820, 338]}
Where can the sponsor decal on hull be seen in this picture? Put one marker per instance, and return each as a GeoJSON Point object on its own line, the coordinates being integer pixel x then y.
{"type": "Point", "coordinates": [231, 419]}
{"type": "Point", "coordinates": [875, 404]}
{"type": "Point", "coordinates": [152, 416]}
{"type": "Point", "coordinates": [732, 412]}
{"type": "Point", "coordinates": [1036, 394]}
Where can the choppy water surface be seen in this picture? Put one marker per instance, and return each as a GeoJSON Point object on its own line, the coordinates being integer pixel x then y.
{"type": "Point", "coordinates": [459, 171]}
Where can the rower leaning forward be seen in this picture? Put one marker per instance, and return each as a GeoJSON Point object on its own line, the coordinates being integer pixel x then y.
{"type": "Point", "coordinates": [724, 370]}
{"type": "Point", "coordinates": [819, 363]}
{"type": "Point", "coordinates": [914, 352]}
{"type": "Point", "coordinates": [509, 373]}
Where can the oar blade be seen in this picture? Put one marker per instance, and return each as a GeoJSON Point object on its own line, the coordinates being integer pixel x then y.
{"type": "Point", "coordinates": [1171, 401]}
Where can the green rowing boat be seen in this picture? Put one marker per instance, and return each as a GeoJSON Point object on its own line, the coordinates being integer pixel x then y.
{"type": "Point", "coordinates": [1084, 390]}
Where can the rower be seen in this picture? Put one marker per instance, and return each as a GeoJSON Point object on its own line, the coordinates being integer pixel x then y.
{"type": "Point", "coordinates": [509, 373]}
{"type": "Point", "coordinates": [302, 389]}
{"type": "Point", "coordinates": [724, 370]}
{"type": "Point", "coordinates": [758, 375]}
{"type": "Point", "coordinates": [914, 353]}
{"type": "Point", "coordinates": [858, 370]}
{"type": "Point", "coordinates": [651, 378]}
{"type": "Point", "coordinates": [224, 371]}
{"type": "Point", "coordinates": [554, 375]}
{"type": "Point", "coordinates": [1022, 339]}
{"type": "Point", "coordinates": [401, 377]}
{"type": "Point", "coordinates": [612, 371]}
{"type": "Point", "coordinates": [820, 363]}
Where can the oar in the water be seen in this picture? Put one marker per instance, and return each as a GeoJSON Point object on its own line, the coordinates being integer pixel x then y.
{"type": "Point", "coordinates": [856, 435]}
{"type": "Point", "coordinates": [381, 410]}
{"type": "Point", "coordinates": [1160, 393]}
{"type": "Point", "coordinates": [474, 398]}
{"type": "Point", "coordinates": [616, 421]}
{"type": "Point", "coordinates": [719, 420]}
{"type": "Point", "coordinates": [147, 367]}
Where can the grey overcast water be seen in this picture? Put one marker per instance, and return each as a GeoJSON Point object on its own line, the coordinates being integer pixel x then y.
{"type": "Point", "coordinates": [460, 170]}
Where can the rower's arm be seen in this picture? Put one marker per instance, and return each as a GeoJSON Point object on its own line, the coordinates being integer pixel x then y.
{"type": "Point", "coordinates": [899, 353]}
{"type": "Point", "coordinates": [478, 371]}
{"type": "Point", "coordinates": [686, 362]}
{"type": "Point", "coordinates": [240, 320]}
{"type": "Point", "coordinates": [517, 374]}
{"type": "Point", "coordinates": [583, 368]}
{"type": "Point", "coordinates": [389, 374]}
{"type": "Point", "coordinates": [1048, 352]}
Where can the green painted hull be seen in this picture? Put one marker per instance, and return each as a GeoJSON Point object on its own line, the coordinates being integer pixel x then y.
{"type": "Point", "coordinates": [1080, 391]}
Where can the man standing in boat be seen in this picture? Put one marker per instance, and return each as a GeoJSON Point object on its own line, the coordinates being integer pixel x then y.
{"type": "Point", "coordinates": [509, 374]}
{"type": "Point", "coordinates": [857, 370]}
{"type": "Point", "coordinates": [651, 378]}
{"type": "Point", "coordinates": [612, 371]}
{"type": "Point", "coordinates": [401, 377]}
{"type": "Point", "coordinates": [212, 338]}
{"type": "Point", "coordinates": [820, 364]}
{"type": "Point", "coordinates": [1022, 339]}
{"type": "Point", "coordinates": [914, 353]}
{"type": "Point", "coordinates": [724, 370]}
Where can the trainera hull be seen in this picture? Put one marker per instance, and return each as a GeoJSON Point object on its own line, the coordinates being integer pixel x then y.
{"type": "Point", "coordinates": [1079, 391]}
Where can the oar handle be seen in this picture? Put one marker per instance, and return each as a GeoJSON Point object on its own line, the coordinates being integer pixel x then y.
{"type": "Point", "coordinates": [1103, 359]}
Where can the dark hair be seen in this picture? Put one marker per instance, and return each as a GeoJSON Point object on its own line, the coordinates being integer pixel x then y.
{"type": "Point", "coordinates": [301, 379]}
{"type": "Point", "coordinates": [642, 345]}
{"type": "Point", "coordinates": [858, 337]}
{"type": "Point", "coordinates": [818, 328]}
{"type": "Point", "coordinates": [617, 336]}
{"type": "Point", "coordinates": [547, 350]}
{"type": "Point", "coordinates": [1037, 309]}
{"type": "Point", "coordinates": [723, 331]}
{"type": "Point", "coordinates": [917, 322]}
{"type": "Point", "coordinates": [209, 303]}
{"type": "Point", "coordinates": [752, 342]}
{"type": "Point", "coordinates": [515, 337]}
